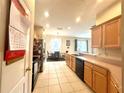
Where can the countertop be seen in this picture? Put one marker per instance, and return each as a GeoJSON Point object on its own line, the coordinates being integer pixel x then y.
{"type": "Point", "coordinates": [116, 71]}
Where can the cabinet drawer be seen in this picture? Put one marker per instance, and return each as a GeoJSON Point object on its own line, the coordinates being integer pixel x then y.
{"type": "Point", "coordinates": [100, 70]}
{"type": "Point", "coordinates": [88, 64]}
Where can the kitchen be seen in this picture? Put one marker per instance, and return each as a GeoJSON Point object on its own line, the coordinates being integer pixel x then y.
{"type": "Point", "coordinates": [100, 63]}
{"type": "Point", "coordinates": [72, 46]}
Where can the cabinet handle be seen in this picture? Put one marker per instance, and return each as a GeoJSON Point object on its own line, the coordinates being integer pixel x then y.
{"type": "Point", "coordinates": [28, 69]}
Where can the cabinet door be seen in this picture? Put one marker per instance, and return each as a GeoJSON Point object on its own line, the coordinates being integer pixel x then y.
{"type": "Point", "coordinates": [66, 59]}
{"type": "Point", "coordinates": [97, 37]}
{"type": "Point", "coordinates": [113, 87]}
{"type": "Point", "coordinates": [99, 82]}
{"type": "Point", "coordinates": [73, 64]}
{"type": "Point", "coordinates": [111, 34]}
{"type": "Point", "coordinates": [88, 75]}
{"type": "Point", "coordinates": [69, 61]}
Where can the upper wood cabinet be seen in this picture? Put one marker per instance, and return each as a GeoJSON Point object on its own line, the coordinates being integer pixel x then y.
{"type": "Point", "coordinates": [97, 36]}
{"type": "Point", "coordinates": [111, 33]}
{"type": "Point", "coordinates": [107, 35]}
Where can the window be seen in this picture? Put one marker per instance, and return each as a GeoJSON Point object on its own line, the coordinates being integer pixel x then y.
{"type": "Point", "coordinates": [55, 44]}
{"type": "Point", "coordinates": [82, 45]}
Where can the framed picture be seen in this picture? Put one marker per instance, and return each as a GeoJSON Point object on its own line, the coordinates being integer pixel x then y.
{"type": "Point", "coordinates": [67, 42]}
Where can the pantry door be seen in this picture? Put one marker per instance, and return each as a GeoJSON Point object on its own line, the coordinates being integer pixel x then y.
{"type": "Point", "coordinates": [15, 77]}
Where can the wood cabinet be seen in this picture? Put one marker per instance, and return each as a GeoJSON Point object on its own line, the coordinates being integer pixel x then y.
{"type": "Point", "coordinates": [100, 80]}
{"type": "Point", "coordinates": [97, 37]}
{"type": "Point", "coordinates": [113, 87]}
{"type": "Point", "coordinates": [88, 74]}
{"type": "Point", "coordinates": [96, 77]}
{"type": "Point", "coordinates": [67, 59]}
{"type": "Point", "coordinates": [111, 34]}
{"type": "Point", "coordinates": [70, 61]}
{"type": "Point", "coordinates": [73, 65]}
{"type": "Point", "coordinates": [107, 35]}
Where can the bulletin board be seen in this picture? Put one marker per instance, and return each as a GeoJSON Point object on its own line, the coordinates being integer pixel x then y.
{"type": "Point", "coordinates": [15, 45]}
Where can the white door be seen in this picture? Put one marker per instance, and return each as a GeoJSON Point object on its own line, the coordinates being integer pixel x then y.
{"type": "Point", "coordinates": [28, 64]}
{"type": "Point", "coordinates": [15, 77]}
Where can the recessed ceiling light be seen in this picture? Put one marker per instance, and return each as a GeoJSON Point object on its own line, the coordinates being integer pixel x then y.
{"type": "Point", "coordinates": [99, 1]}
{"type": "Point", "coordinates": [78, 19]}
{"type": "Point", "coordinates": [69, 28]}
{"type": "Point", "coordinates": [47, 25]}
{"type": "Point", "coordinates": [46, 14]}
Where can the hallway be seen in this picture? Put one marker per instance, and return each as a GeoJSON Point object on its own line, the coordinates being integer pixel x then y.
{"type": "Point", "coordinates": [58, 78]}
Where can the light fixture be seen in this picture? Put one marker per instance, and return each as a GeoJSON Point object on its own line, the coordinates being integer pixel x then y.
{"type": "Point", "coordinates": [78, 19]}
{"type": "Point", "coordinates": [47, 25]}
{"type": "Point", "coordinates": [99, 1]}
{"type": "Point", "coordinates": [46, 14]}
{"type": "Point", "coordinates": [69, 28]}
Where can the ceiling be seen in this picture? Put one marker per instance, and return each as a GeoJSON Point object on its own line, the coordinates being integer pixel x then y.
{"type": "Point", "coordinates": [63, 14]}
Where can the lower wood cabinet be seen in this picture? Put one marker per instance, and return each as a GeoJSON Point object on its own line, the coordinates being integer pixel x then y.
{"type": "Point", "coordinates": [99, 82]}
{"type": "Point", "coordinates": [100, 79]}
{"type": "Point", "coordinates": [70, 61]}
{"type": "Point", "coordinates": [96, 77]}
{"type": "Point", "coordinates": [88, 74]}
{"type": "Point", "coordinates": [113, 87]}
{"type": "Point", "coordinates": [73, 65]}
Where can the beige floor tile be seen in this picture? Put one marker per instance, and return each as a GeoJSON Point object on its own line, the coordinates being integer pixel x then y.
{"type": "Point", "coordinates": [42, 90]}
{"type": "Point", "coordinates": [42, 83]}
{"type": "Point", "coordinates": [45, 72]}
{"type": "Point", "coordinates": [43, 76]}
{"type": "Point", "coordinates": [57, 77]}
{"type": "Point", "coordinates": [77, 86]}
{"type": "Point", "coordinates": [85, 91]}
{"type": "Point", "coordinates": [73, 79]}
{"type": "Point", "coordinates": [53, 82]}
{"type": "Point", "coordinates": [69, 73]}
{"type": "Point", "coordinates": [66, 88]}
{"type": "Point", "coordinates": [63, 80]}
{"type": "Point", "coordinates": [59, 71]}
{"type": "Point", "coordinates": [53, 75]}
{"type": "Point", "coordinates": [52, 71]}
{"type": "Point", "coordinates": [55, 89]}
{"type": "Point", "coordinates": [60, 75]}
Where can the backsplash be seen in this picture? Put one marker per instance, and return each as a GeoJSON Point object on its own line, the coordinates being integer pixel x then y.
{"type": "Point", "coordinates": [108, 53]}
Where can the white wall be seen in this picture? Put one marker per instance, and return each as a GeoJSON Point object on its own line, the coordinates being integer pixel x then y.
{"type": "Point", "coordinates": [38, 32]}
{"type": "Point", "coordinates": [63, 44]}
{"type": "Point", "coordinates": [111, 12]}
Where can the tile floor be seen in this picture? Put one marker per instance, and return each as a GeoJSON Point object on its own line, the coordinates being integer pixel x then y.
{"type": "Point", "coordinates": [59, 78]}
